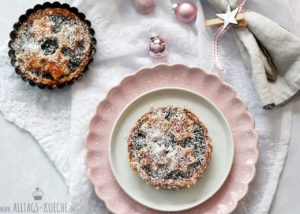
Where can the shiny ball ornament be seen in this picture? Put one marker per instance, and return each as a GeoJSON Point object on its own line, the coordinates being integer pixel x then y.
{"type": "Point", "coordinates": [185, 12]}
{"type": "Point", "coordinates": [157, 46]}
{"type": "Point", "coordinates": [144, 6]}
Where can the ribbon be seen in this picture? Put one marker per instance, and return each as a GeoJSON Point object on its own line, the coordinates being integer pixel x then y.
{"type": "Point", "coordinates": [216, 41]}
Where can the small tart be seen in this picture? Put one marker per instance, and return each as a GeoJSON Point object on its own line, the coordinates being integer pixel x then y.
{"type": "Point", "coordinates": [52, 45]}
{"type": "Point", "coordinates": [169, 147]}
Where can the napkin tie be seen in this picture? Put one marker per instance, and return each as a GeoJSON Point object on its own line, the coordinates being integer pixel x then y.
{"type": "Point", "coordinates": [217, 37]}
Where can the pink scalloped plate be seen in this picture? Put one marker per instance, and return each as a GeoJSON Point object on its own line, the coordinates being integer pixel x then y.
{"type": "Point", "coordinates": [206, 85]}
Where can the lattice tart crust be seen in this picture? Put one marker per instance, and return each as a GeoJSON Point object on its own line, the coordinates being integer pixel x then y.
{"type": "Point", "coordinates": [169, 147]}
{"type": "Point", "coordinates": [52, 45]}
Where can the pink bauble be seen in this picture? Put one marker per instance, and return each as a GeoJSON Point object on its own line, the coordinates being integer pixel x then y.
{"type": "Point", "coordinates": [157, 46]}
{"type": "Point", "coordinates": [144, 6]}
{"type": "Point", "coordinates": [186, 12]}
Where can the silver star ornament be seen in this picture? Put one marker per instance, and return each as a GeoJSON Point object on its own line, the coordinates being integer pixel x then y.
{"type": "Point", "coordinates": [229, 17]}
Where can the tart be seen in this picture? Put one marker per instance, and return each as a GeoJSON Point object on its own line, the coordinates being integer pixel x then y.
{"type": "Point", "coordinates": [169, 147]}
{"type": "Point", "coordinates": [52, 45]}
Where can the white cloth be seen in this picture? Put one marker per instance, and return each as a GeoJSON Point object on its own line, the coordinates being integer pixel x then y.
{"type": "Point", "coordinates": [59, 119]}
{"type": "Point", "coordinates": [284, 64]}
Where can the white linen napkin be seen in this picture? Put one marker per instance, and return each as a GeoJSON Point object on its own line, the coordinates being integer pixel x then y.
{"type": "Point", "coordinates": [270, 50]}
{"type": "Point", "coordinates": [59, 119]}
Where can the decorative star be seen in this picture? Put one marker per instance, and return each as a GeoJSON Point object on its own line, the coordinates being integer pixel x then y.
{"type": "Point", "coordinates": [229, 17]}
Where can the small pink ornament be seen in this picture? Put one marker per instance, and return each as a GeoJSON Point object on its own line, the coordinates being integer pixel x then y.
{"type": "Point", "coordinates": [185, 12]}
{"type": "Point", "coordinates": [144, 6]}
{"type": "Point", "coordinates": [157, 46]}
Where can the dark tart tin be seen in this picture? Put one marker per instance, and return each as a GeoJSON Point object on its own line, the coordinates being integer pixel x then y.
{"type": "Point", "coordinates": [24, 17]}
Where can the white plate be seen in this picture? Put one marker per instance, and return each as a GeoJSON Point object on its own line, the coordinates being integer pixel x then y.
{"type": "Point", "coordinates": [216, 172]}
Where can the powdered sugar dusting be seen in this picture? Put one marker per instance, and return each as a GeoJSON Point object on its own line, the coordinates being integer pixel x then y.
{"type": "Point", "coordinates": [168, 143]}
{"type": "Point", "coordinates": [52, 45]}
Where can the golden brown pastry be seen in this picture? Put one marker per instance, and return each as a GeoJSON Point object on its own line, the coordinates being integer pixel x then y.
{"type": "Point", "coordinates": [169, 147]}
{"type": "Point", "coordinates": [52, 46]}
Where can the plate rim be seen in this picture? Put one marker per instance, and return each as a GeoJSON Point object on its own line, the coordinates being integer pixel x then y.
{"type": "Point", "coordinates": [144, 95]}
{"type": "Point", "coordinates": [90, 167]}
